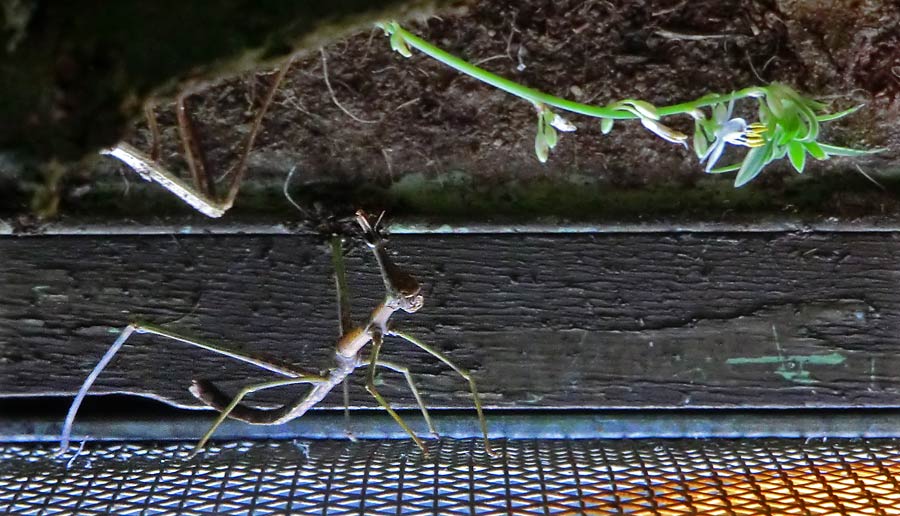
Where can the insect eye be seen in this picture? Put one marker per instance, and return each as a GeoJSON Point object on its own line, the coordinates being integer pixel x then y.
{"type": "Point", "coordinates": [413, 304]}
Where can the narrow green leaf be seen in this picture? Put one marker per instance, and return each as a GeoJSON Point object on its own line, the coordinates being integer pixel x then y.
{"type": "Point", "coordinates": [797, 155]}
{"type": "Point", "coordinates": [815, 150]}
{"type": "Point", "coordinates": [834, 150]}
{"type": "Point", "coordinates": [709, 129]}
{"type": "Point", "coordinates": [551, 136]}
{"type": "Point", "coordinates": [765, 114]}
{"type": "Point", "coordinates": [720, 111]}
{"type": "Point", "coordinates": [753, 164]}
{"type": "Point", "coordinates": [645, 109]}
{"type": "Point", "coordinates": [785, 92]}
{"type": "Point", "coordinates": [700, 142]}
{"type": "Point", "coordinates": [775, 105]}
{"type": "Point", "coordinates": [541, 149]}
{"type": "Point", "coordinates": [722, 170]}
{"type": "Point", "coordinates": [398, 44]}
{"type": "Point", "coordinates": [790, 126]}
{"type": "Point", "coordinates": [812, 125]}
{"type": "Point", "coordinates": [840, 114]}
{"type": "Point", "coordinates": [606, 125]}
{"type": "Point", "coordinates": [811, 104]}
{"type": "Point", "coordinates": [547, 116]}
{"type": "Point", "coordinates": [778, 152]}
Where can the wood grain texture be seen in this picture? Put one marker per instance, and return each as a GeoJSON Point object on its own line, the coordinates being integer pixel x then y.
{"type": "Point", "coordinates": [602, 320]}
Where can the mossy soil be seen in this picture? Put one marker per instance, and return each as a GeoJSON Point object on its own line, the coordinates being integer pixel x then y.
{"type": "Point", "coordinates": [362, 126]}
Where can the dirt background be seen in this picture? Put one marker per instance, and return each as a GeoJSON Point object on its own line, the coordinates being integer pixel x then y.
{"type": "Point", "coordinates": [420, 139]}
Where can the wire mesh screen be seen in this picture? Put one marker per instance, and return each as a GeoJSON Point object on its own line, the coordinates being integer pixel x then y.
{"type": "Point", "coordinates": [671, 477]}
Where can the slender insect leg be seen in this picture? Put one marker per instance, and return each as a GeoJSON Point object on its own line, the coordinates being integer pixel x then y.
{"type": "Point", "coordinates": [131, 329]}
{"type": "Point", "coordinates": [340, 285]}
{"type": "Point", "coordinates": [215, 398]}
{"type": "Point", "coordinates": [240, 396]}
{"type": "Point", "coordinates": [412, 386]}
{"type": "Point", "coordinates": [462, 372]}
{"type": "Point", "coordinates": [150, 116]}
{"type": "Point", "coordinates": [344, 318]}
{"type": "Point", "coordinates": [370, 386]}
{"type": "Point", "coordinates": [66, 434]}
{"type": "Point", "coordinates": [347, 430]}
{"type": "Point", "coordinates": [193, 152]}
{"type": "Point", "coordinates": [282, 369]}
{"type": "Point", "coordinates": [241, 168]}
{"type": "Point", "coordinates": [208, 393]}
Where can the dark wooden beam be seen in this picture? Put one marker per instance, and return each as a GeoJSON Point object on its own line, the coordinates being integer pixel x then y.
{"type": "Point", "coordinates": [590, 320]}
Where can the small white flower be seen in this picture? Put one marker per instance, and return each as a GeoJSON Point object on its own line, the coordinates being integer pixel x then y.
{"type": "Point", "coordinates": [561, 124]}
{"type": "Point", "coordinates": [735, 131]}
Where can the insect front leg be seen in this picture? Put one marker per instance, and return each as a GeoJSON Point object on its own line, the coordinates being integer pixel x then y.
{"type": "Point", "coordinates": [133, 328]}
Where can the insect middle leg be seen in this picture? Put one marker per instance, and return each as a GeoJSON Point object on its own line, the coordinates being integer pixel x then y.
{"type": "Point", "coordinates": [412, 387]}
{"type": "Point", "coordinates": [460, 371]}
{"type": "Point", "coordinates": [370, 386]}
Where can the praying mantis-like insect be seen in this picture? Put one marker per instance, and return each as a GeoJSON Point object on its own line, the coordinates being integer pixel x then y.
{"type": "Point", "coordinates": [403, 292]}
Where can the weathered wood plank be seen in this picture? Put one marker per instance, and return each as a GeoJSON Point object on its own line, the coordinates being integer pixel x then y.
{"type": "Point", "coordinates": [599, 320]}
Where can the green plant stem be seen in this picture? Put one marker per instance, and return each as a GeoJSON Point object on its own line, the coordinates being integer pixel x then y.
{"type": "Point", "coordinates": [538, 97]}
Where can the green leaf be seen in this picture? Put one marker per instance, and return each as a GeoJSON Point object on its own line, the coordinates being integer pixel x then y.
{"type": "Point", "coordinates": [790, 126]}
{"type": "Point", "coordinates": [547, 115]}
{"type": "Point", "coordinates": [545, 119]}
{"type": "Point", "coordinates": [775, 105]}
{"type": "Point", "coordinates": [797, 155]}
{"type": "Point", "coordinates": [812, 105]}
{"type": "Point", "coordinates": [606, 125]}
{"type": "Point", "coordinates": [840, 114]}
{"type": "Point", "coordinates": [785, 92]}
{"type": "Point", "coordinates": [722, 170]}
{"type": "Point", "coordinates": [541, 149]}
{"type": "Point", "coordinates": [812, 125]}
{"type": "Point", "coordinates": [643, 108]}
{"type": "Point", "coordinates": [815, 150]}
{"type": "Point", "coordinates": [834, 150]}
{"type": "Point", "coordinates": [753, 164]}
{"type": "Point", "coordinates": [720, 111]}
{"type": "Point", "coordinates": [709, 129]}
{"type": "Point", "coordinates": [551, 136]}
{"type": "Point", "coordinates": [700, 142]}
{"type": "Point", "coordinates": [398, 44]}
{"type": "Point", "coordinates": [765, 114]}
{"type": "Point", "coordinates": [778, 152]}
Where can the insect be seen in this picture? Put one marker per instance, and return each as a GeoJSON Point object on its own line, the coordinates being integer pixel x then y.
{"type": "Point", "coordinates": [403, 292]}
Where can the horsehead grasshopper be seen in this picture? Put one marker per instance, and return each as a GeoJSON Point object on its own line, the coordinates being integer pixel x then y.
{"type": "Point", "coordinates": [403, 292]}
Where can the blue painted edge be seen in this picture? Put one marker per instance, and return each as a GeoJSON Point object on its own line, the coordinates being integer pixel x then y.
{"type": "Point", "coordinates": [671, 424]}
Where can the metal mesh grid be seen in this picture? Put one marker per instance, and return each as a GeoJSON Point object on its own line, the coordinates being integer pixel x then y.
{"type": "Point", "coordinates": [673, 477]}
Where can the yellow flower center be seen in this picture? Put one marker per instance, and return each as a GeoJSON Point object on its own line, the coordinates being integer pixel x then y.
{"type": "Point", "coordinates": [754, 135]}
